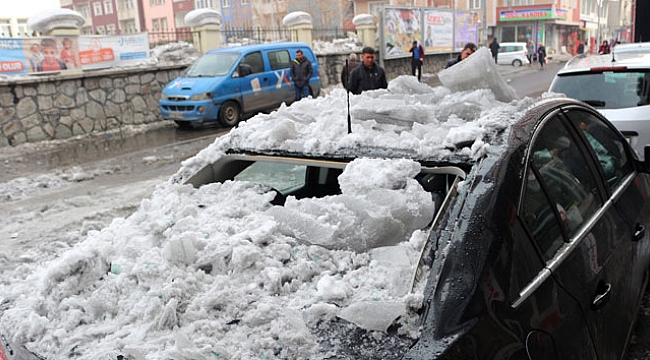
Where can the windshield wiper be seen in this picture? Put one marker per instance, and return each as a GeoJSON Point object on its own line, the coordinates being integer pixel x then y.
{"type": "Point", "coordinates": [596, 103]}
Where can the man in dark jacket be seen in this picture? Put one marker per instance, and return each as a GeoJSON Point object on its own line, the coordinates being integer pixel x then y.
{"type": "Point", "coordinates": [417, 58]}
{"type": "Point", "coordinates": [301, 71]}
{"type": "Point", "coordinates": [353, 62]}
{"type": "Point", "coordinates": [494, 49]}
{"type": "Point", "coordinates": [368, 76]}
{"type": "Point", "coordinates": [468, 50]}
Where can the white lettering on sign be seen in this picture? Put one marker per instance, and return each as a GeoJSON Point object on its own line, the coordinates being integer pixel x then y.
{"type": "Point", "coordinates": [10, 45]}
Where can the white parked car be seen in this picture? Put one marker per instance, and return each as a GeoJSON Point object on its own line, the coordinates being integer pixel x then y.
{"type": "Point", "coordinates": [512, 53]}
{"type": "Point", "coordinates": [639, 48]}
{"type": "Point", "coordinates": [617, 85]}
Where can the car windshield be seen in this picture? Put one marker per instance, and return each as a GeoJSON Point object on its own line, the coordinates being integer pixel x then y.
{"type": "Point", "coordinates": [210, 65]}
{"type": "Point", "coordinates": [315, 185]}
{"type": "Point", "coordinates": [607, 90]}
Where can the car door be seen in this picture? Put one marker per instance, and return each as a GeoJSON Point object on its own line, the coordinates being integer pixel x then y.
{"type": "Point", "coordinates": [255, 86]}
{"type": "Point", "coordinates": [594, 256]}
{"type": "Point", "coordinates": [626, 267]}
{"type": "Point", "coordinates": [558, 327]}
{"type": "Point", "coordinates": [280, 65]}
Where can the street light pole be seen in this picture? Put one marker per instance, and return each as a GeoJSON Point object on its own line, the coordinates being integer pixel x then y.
{"type": "Point", "coordinates": [484, 22]}
{"type": "Point", "coordinates": [600, 5]}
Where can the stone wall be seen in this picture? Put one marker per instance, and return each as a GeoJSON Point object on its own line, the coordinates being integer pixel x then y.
{"type": "Point", "coordinates": [48, 107]}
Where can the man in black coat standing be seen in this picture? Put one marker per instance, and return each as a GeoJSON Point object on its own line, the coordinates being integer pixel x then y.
{"type": "Point", "coordinates": [301, 71]}
{"type": "Point", "coordinates": [367, 76]}
{"type": "Point", "coordinates": [494, 49]}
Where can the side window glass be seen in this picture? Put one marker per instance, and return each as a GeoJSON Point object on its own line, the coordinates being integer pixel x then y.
{"type": "Point", "coordinates": [254, 60]}
{"type": "Point", "coordinates": [565, 175]}
{"type": "Point", "coordinates": [279, 59]}
{"type": "Point", "coordinates": [607, 146]}
{"type": "Point", "coordinates": [541, 218]}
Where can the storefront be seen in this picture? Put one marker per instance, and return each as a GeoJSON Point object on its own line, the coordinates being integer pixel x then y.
{"type": "Point", "coordinates": [546, 25]}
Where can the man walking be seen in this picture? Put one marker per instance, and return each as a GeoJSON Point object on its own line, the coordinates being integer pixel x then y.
{"type": "Point", "coordinates": [494, 49]}
{"type": "Point", "coordinates": [417, 58]}
{"type": "Point", "coordinates": [301, 71]}
{"type": "Point", "coordinates": [368, 75]}
{"type": "Point", "coordinates": [530, 51]}
{"type": "Point", "coordinates": [353, 62]}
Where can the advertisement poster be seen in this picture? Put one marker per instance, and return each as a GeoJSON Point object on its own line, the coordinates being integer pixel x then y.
{"type": "Point", "coordinates": [439, 31]}
{"type": "Point", "coordinates": [38, 55]}
{"type": "Point", "coordinates": [100, 51]}
{"type": "Point", "coordinates": [401, 28]}
{"type": "Point", "coordinates": [466, 29]}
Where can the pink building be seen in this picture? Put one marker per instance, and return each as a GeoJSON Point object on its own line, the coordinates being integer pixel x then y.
{"type": "Point", "coordinates": [158, 15]}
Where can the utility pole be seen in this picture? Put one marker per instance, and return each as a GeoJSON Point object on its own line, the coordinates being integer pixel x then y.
{"type": "Point", "coordinates": [484, 22]}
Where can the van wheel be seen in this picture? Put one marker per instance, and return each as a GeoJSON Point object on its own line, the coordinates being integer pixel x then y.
{"type": "Point", "coordinates": [229, 113]}
{"type": "Point", "coordinates": [516, 62]}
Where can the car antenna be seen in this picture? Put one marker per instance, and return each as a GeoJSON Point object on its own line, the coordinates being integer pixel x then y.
{"type": "Point", "coordinates": [613, 51]}
{"type": "Point", "coordinates": [347, 90]}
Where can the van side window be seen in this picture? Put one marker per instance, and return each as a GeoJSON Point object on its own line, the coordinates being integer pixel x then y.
{"type": "Point", "coordinates": [255, 61]}
{"type": "Point", "coordinates": [279, 59]}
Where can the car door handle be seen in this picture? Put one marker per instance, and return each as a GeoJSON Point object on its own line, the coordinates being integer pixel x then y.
{"type": "Point", "coordinates": [639, 232]}
{"type": "Point", "coordinates": [603, 293]}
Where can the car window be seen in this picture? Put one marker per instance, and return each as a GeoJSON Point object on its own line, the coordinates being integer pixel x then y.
{"type": "Point", "coordinates": [607, 90]}
{"type": "Point", "coordinates": [558, 164]}
{"type": "Point", "coordinates": [255, 61]}
{"type": "Point", "coordinates": [276, 175]}
{"type": "Point", "coordinates": [607, 145]}
{"type": "Point", "coordinates": [279, 59]}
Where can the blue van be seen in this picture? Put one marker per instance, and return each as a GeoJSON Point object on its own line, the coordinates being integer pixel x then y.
{"type": "Point", "coordinates": [228, 83]}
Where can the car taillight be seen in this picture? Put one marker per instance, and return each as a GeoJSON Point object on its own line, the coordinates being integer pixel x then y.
{"type": "Point", "coordinates": [608, 68]}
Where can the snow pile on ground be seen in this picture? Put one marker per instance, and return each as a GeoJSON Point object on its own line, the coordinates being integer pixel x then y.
{"type": "Point", "coordinates": [219, 273]}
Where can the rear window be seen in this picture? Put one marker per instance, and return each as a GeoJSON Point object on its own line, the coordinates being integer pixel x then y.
{"type": "Point", "coordinates": [606, 90]}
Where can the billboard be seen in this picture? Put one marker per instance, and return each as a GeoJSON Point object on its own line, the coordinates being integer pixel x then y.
{"type": "Point", "coordinates": [401, 26]}
{"type": "Point", "coordinates": [20, 56]}
{"type": "Point", "coordinates": [439, 30]}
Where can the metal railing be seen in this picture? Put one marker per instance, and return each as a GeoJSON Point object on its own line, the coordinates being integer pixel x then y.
{"type": "Point", "coordinates": [157, 38]}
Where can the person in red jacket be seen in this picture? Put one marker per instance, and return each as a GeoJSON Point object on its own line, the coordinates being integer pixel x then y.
{"type": "Point", "coordinates": [604, 48]}
{"type": "Point", "coordinates": [417, 59]}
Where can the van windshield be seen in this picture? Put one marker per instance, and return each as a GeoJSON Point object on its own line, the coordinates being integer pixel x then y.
{"type": "Point", "coordinates": [210, 65]}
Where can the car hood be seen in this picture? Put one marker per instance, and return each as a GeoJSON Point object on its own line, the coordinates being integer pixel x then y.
{"type": "Point", "coordinates": [193, 85]}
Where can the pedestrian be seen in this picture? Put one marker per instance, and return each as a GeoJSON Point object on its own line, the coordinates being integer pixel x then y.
{"type": "Point", "coordinates": [604, 48]}
{"type": "Point", "coordinates": [468, 50]}
{"type": "Point", "coordinates": [530, 51]}
{"type": "Point", "coordinates": [541, 55]}
{"type": "Point", "coordinates": [417, 59]}
{"type": "Point", "coordinates": [347, 69]}
{"type": "Point", "coordinates": [494, 49]}
{"type": "Point", "coordinates": [301, 71]}
{"type": "Point", "coordinates": [369, 75]}
{"type": "Point", "coordinates": [581, 47]}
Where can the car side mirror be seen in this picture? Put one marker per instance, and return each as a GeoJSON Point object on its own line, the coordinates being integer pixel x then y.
{"type": "Point", "coordinates": [244, 70]}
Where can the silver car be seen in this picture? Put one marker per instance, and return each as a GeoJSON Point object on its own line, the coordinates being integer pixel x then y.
{"type": "Point", "coordinates": [618, 85]}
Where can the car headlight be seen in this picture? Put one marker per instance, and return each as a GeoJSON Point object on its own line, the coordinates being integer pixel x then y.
{"type": "Point", "coordinates": [203, 96]}
{"type": "Point", "coordinates": [163, 96]}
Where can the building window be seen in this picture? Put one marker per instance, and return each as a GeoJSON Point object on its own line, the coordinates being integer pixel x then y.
{"type": "Point", "coordinates": [163, 24]}
{"type": "Point", "coordinates": [245, 2]}
{"type": "Point", "coordinates": [204, 4]}
{"type": "Point", "coordinates": [101, 30]}
{"type": "Point", "coordinates": [128, 4]}
{"type": "Point", "coordinates": [475, 4]}
{"type": "Point", "coordinates": [108, 6]}
{"type": "Point", "coordinates": [84, 11]}
{"type": "Point", "coordinates": [110, 29]}
{"type": "Point", "coordinates": [225, 3]}
{"type": "Point", "coordinates": [97, 8]}
{"type": "Point", "coordinates": [155, 25]}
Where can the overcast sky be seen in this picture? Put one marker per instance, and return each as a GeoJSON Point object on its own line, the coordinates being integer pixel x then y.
{"type": "Point", "coordinates": [13, 8]}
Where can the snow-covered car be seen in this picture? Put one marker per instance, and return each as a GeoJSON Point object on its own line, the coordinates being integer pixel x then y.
{"type": "Point", "coordinates": [430, 223]}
